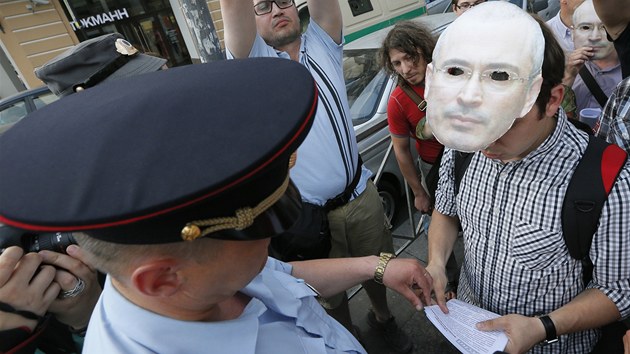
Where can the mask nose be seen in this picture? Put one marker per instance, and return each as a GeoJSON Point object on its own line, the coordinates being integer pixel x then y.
{"type": "Point", "coordinates": [470, 93]}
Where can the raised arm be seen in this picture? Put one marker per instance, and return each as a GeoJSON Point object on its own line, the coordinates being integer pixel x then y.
{"type": "Point", "coordinates": [615, 14]}
{"type": "Point", "coordinates": [239, 26]}
{"type": "Point", "coordinates": [327, 14]}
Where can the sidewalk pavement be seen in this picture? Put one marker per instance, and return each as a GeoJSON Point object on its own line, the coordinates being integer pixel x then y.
{"type": "Point", "coordinates": [425, 337]}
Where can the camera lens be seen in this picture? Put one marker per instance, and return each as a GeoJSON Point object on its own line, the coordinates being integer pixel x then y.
{"type": "Point", "coordinates": [56, 242]}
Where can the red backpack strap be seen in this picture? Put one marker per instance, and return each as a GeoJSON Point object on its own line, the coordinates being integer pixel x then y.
{"type": "Point", "coordinates": [613, 160]}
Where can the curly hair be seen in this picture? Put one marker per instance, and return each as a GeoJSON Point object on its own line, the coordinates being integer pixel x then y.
{"type": "Point", "coordinates": [410, 38]}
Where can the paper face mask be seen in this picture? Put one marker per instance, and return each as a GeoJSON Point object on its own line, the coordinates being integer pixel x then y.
{"type": "Point", "coordinates": [485, 73]}
{"type": "Point", "coordinates": [588, 30]}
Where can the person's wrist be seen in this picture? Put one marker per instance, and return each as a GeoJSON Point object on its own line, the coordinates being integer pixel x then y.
{"type": "Point", "coordinates": [383, 261]}
{"type": "Point", "coordinates": [549, 330]}
{"type": "Point", "coordinates": [421, 195]}
{"type": "Point", "coordinates": [10, 321]}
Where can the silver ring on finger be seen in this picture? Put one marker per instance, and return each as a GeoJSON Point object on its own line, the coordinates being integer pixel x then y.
{"type": "Point", "coordinates": [78, 289]}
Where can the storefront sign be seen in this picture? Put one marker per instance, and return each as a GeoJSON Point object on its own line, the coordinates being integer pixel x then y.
{"type": "Point", "coordinates": [101, 19]}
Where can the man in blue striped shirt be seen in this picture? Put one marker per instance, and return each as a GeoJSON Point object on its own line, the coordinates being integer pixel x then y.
{"type": "Point", "coordinates": [510, 199]}
{"type": "Point", "coordinates": [328, 160]}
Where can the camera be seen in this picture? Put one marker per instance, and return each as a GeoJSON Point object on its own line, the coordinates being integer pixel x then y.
{"type": "Point", "coordinates": [35, 242]}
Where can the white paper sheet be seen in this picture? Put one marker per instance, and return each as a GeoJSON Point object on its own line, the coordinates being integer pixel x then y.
{"type": "Point", "coordinates": [458, 326]}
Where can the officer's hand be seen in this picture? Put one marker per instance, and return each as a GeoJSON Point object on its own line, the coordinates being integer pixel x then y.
{"type": "Point", "coordinates": [408, 276]}
{"type": "Point", "coordinates": [25, 285]}
{"type": "Point", "coordinates": [523, 332]}
{"type": "Point", "coordinates": [76, 310]}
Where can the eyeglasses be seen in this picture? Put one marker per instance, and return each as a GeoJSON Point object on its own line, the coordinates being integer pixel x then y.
{"type": "Point", "coordinates": [465, 6]}
{"type": "Point", "coordinates": [497, 79]}
{"type": "Point", "coordinates": [264, 7]}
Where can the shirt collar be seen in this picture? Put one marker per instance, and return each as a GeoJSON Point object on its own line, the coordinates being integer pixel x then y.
{"type": "Point", "coordinates": [553, 139]}
{"type": "Point", "coordinates": [175, 334]}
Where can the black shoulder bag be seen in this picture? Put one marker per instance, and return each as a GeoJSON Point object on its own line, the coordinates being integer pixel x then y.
{"type": "Point", "coordinates": [593, 86]}
{"type": "Point", "coordinates": [310, 237]}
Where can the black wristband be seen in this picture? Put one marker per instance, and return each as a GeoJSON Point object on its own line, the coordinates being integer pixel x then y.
{"type": "Point", "coordinates": [550, 330]}
{"type": "Point", "coordinates": [4, 307]}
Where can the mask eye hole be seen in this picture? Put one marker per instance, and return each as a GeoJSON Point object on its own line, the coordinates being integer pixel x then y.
{"type": "Point", "coordinates": [454, 71]}
{"type": "Point", "coordinates": [499, 76]}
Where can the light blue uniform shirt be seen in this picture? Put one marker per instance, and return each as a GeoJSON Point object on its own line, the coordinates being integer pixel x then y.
{"type": "Point", "coordinates": [283, 316]}
{"type": "Point", "coordinates": [327, 159]}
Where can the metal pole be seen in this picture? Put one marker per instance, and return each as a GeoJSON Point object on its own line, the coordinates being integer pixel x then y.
{"type": "Point", "coordinates": [202, 29]}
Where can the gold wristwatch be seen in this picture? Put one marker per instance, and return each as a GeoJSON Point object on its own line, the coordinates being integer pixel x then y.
{"type": "Point", "coordinates": [382, 264]}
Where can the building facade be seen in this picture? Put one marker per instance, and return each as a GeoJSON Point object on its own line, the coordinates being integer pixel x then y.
{"type": "Point", "coordinates": [35, 31]}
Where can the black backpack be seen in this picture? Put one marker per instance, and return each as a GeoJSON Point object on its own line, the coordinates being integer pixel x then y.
{"type": "Point", "coordinates": [581, 210]}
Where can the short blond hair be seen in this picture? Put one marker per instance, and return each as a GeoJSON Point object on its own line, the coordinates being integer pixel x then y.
{"type": "Point", "coordinates": [119, 260]}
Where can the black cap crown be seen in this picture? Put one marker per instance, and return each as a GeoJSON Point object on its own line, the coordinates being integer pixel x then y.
{"type": "Point", "coordinates": [135, 160]}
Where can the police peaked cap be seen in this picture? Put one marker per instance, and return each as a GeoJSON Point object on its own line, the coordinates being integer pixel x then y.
{"type": "Point", "coordinates": [95, 60]}
{"type": "Point", "coordinates": [160, 157]}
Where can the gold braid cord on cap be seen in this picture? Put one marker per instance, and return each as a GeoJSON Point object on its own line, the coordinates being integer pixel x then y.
{"type": "Point", "coordinates": [292, 160]}
{"type": "Point", "coordinates": [243, 218]}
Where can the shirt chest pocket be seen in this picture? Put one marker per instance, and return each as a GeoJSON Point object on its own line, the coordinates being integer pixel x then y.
{"type": "Point", "coordinates": [537, 249]}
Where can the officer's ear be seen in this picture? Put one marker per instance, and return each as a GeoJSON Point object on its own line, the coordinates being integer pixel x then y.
{"type": "Point", "coordinates": [157, 278]}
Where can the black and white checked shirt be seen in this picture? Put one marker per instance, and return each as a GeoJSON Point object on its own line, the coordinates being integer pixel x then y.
{"type": "Point", "coordinates": [614, 123]}
{"type": "Point", "coordinates": [515, 258]}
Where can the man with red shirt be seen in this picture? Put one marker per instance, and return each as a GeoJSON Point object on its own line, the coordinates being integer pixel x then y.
{"type": "Point", "coordinates": [406, 51]}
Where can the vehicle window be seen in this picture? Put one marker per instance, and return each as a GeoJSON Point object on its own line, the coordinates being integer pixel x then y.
{"type": "Point", "coordinates": [44, 99]}
{"type": "Point", "coordinates": [365, 82]}
{"type": "Point", "coordinates": [13, 113]}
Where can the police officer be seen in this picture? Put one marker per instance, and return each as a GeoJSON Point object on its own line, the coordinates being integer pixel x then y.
{"type": "Point", "coordinates": [174, 182]}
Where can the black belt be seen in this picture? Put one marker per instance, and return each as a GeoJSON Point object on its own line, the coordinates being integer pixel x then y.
{"type": "Point", "coordinates": [344, 197]}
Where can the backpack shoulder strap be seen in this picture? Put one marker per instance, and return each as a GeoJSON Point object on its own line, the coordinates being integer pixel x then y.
{"type": "Point", "coordinates": [587, 192]}
{"type": "Point", "coordinates": [415, 97]}
{"type": "Point", "coordinates": [462, 160]}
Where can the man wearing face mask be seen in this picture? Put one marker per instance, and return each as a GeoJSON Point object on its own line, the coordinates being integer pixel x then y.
{"type": "Point", "coordinates": [595, 56]}
{"type": "Point", "coordinates": [504, 105]}
{"type": "Point", "coordinates": [561, 24]}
